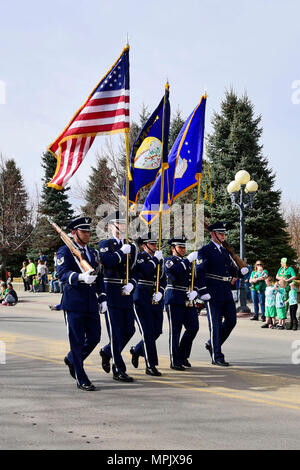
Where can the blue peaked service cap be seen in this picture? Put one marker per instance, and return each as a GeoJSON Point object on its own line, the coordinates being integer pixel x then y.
{"type": "Point", "coordinates": [81, 223]}
{"type": "Point", "coordinates": [217, 227]}
{"type": "Point", "coordinates": [147, 238]}
{"type": "Point", "coordinates": [177, 241]}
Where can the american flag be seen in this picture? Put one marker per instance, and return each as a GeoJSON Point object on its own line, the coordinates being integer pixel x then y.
{"type": "Point", "coordinates": [106, 111]}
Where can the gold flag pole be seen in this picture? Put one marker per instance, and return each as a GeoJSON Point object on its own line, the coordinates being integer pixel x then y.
{"type": "Point", "coordinates": [167, 87]}
{"type": "Point", "coordinates": [198, 176]}
{"type": "Point", "coordinates": [128, 177]}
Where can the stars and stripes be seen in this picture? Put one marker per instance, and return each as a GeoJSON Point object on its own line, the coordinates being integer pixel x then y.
{"type": "Point", "coordinates": [106, 111]}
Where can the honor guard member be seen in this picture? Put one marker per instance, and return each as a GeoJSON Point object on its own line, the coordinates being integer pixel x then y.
{"type": "Point", "coordinates": [216, 271]}
{"type": "Point", "coordinates": [148, 304]}
{"type": "Point", "coordinates": [179, 303]}
{"type": "Point", "coordinates": [120, 314]}
{"type": "Point", "coordinates": [83, 292]}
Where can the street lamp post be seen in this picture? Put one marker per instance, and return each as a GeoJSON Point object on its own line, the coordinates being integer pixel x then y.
{"type": "Point", "coordinates": [238, 189]}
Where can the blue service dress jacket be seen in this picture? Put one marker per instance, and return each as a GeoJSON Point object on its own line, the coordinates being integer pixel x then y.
{"type": "Point", "coordinates": [179, 276]}
{"type": "Point", "coordinates": [146, 269]}
{"type": "Point", "coordinates": [114, 271]}
{"type": "Point", "coordinates": [79, 296]}
{"type": "Point", "coordinates": [215, 269]}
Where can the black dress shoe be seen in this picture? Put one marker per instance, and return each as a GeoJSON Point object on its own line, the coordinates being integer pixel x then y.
{"type": "Point", "coordinates": [186, 363]}
{"type": "Point", "coordinates": [105, 361]}
{"type": "Point", "coordinates": [263, 318]}
{"type": "Point", "coordinates": [254, 318]}
{"type": "Point", "coordinates": [220, 363]}
{"type": "Point", "coordinates": [153, 371]}
{"type": "Point", "coordinates": [134, 358]}
{"type": "Point", "coordinates": [71, 367]}
{"type": "Point", "coordinates": [86, 387]}
{"type": "Point", "coordinates": [209, 348]}
{"type": "Point", "coordinates": [177, 367]}
{"type": "Point", "coordinates": [122, 377]}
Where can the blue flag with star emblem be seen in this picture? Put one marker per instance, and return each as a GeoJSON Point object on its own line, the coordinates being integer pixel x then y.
{"type": "Point", "coordinates": [184, 166]}
{"type": "Point", "coordinates": [150, 150]}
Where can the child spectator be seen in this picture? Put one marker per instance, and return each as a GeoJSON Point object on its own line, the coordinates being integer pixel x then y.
{"type": "Point", "coordinates": [11, 297]}
{"type": "Point", "coordinates": [3, 290]}
{"type": "Point", "coordinates": [293, 304]}
{"type": "Point", "coordinates": [36, 283]}
{"type": "Point", "coordinates": [280, 303]}
{"type": "Point", "coordinates": [270, 306]}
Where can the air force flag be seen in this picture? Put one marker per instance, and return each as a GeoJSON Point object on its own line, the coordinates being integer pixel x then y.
{"type": "Point", "coordinates": [149, 148]}
{"type": "Point", "coordinates": [184, 165]}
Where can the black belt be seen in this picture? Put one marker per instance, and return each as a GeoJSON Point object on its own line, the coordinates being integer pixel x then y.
{"type": "Point", "coordinates": [181, 288]}
{"type": "Point", "coordinates": [219, 278]}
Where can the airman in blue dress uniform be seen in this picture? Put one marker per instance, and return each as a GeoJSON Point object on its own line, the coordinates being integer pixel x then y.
{"type": "Point", "coordinates": [178, 295]}
{"type": "Point", "coordinates": [120, 314]}
{"type": "Point", "coordinates": [216, 271]}
{"type": "Point", "coordinates": [83, 292]}
{"type": "Point", "coordinates": [148, 304]}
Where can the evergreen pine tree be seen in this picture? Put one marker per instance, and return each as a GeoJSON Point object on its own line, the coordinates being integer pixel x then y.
{"type": "Point", "coordinates": [55, 204]}
{"type": "Point", "coordinates": [15, 217]}
{"type": "Point", "coordinates": [234, 145]}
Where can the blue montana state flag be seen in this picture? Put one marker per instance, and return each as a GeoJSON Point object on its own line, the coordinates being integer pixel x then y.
{"type": "Point", "coordinates": [149, 148]}
{"type": "Point", "coordinates": [184, 166]}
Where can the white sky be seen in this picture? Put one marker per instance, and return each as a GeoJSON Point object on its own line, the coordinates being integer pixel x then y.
{"type": "Point", "coordinates": [53, 54]}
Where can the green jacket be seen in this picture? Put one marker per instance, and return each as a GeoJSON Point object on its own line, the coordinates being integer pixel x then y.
{"type": "Point", "coordinates": [30, 269]}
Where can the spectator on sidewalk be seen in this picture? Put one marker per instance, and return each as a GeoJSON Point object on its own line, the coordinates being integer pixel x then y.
{"type": "Point", "coordinates": [293, 305]}
{"type": "Point", "coordinates": [23, 276]}
{"type": "Point", "coordinates": [288, 274]}
{"type": "Point", "coordinates": [55, 283]}
{"type": "Point", "coordinates": [280, 288]}
{"type": "Point", "coordinates": [3, 290]}
{"type": "Point", "coordinates": [42, 271]}
{"type": "Point", "coordinates": [36, 282]}
{"type": "Point", "coordinates": [11, 297]}
{"type": "Point", "coordinates": [270, 305]}
{"type": "Point", "coordinates": [43, 257]}
{"type": "Point", "coordinates": [30, 272]}
{"type": "Point", "coordinates": [247, 280]}
{"type": "Point", "coordinates": [258, 287]}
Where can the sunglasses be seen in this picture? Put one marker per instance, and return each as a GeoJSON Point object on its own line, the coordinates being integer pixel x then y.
{"type": "Point", "coordinates": [258, 264]}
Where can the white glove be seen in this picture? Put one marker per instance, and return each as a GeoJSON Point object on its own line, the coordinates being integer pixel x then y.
{"type": "Point", "coordinates": [192, 256]}
{"type": "Point", "coordinates": [157, 296]}
{"type": "Point", "coordinates": [244, 271]}
{"type": "Point", "coordinates": [128, 288]}
{"type": "Point", "coordinates": [205, 297]}
{"type": "Point", "coordinates": [158, 255]}
{"type": "Point", "coordinates": [192, 295]}
{"type": "Point", "coordinates": [126, 249]}
{"type": "Point", "coordinates": [87, 277]}
{"type": "Point", "coordinates": [103, 306]}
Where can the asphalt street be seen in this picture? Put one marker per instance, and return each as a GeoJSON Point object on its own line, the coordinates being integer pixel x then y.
{"type": "Point", "coordinates": [254, 404]}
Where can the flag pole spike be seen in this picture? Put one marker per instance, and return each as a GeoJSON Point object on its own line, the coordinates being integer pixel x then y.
{"type": "Point", "coordinates": [127, 45]}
